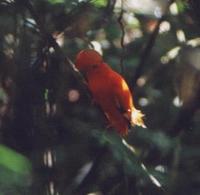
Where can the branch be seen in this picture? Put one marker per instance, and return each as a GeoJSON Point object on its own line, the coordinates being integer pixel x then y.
{"type": "Point", "coordinates": [149, 46]}
{"type": "Point", "coordinates": [120, 21]}
{"type": "Point", "coordinates": [110, 6]}
{"type": "Point", "coordinates": [51, 42]}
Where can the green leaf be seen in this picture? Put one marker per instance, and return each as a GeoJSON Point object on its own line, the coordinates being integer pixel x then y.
{"type": "Point", "coordinates": [56, 1]}
{"type": "Point", "coordinates": [46, 94]}
{"type": "Point", "coordinates": [3, 96]}
{"type": "Point", "coordinates": [14, 161]}
{"type": "Point", "coordinates": [158, 139]}
{"type": "Point", "coordinates": [99, 3]}
{"type": "Point", "coordinates": [181, 5]}
{"type": "Point", "coordinates": [121, 153]}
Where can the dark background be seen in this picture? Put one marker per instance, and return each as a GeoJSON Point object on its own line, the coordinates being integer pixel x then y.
{"type": "Point", "coordinates": [53, 138]}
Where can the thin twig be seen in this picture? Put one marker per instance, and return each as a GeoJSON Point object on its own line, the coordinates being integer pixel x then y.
{"type": "Point", "coordinates": [88, 42]}
{"type": "Point", "coordinates": [149, 46]}
{"type": "Point", "coordinates": [51, 42]}
{"type": "Point", "coordinates": [110, 6]}
{"type": "Point", "coordinates": [122, 27]}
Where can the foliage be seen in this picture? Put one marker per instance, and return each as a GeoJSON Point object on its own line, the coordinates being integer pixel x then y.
{"type": "Point", "coordinates": [54, 139]}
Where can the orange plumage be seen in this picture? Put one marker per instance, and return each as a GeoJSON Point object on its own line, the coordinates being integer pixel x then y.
{"type": "Point", "coordinates": [110, 91]}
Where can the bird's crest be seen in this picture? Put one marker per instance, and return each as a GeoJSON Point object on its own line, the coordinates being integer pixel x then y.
{"type": "Point", "coordinates": [88, 58]}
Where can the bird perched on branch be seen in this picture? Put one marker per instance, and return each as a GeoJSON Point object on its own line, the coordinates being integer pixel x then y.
{"type": "Point", "coordinates": [110, 91]}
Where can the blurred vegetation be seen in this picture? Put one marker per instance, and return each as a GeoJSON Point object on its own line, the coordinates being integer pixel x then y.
{"type": "Point", "coordinates": [53, 139]}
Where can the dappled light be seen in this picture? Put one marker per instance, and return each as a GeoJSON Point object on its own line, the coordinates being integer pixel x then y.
{"type": "Point", "coordinates": [174, 9]}
{"type": "Point", "coordinates": [164, 27]}
{"type": "Point", "coordinates": [73, 95]}
{"type": "Point", "coordinates": [177, 102]}
{"type": "Point", "coordinates": [99, 97]}
{"type": "Point", "coordinates": [143, 101]}
{"type": "Point", "coordinates": [180, 35]}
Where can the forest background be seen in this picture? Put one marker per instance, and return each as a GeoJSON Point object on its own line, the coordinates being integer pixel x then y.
{"type": "Point", "coordinates": [53, 138]}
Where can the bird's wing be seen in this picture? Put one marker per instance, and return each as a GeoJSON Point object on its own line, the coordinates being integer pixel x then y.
{"type": "Point", "coordinates": [124, 101]}
{"type": "Point", "coordinates": [122, 95]}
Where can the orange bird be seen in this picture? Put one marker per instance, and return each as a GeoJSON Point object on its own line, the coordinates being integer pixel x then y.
{"type": "Point", "coordinates": [110, 91]}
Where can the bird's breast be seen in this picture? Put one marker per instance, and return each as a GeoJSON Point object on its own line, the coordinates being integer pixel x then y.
{"type": "Point", "coordinates": [100, 87]}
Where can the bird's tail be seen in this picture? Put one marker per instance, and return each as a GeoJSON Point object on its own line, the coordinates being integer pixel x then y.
{"type": "Point", "coordinates": [137, 118]}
